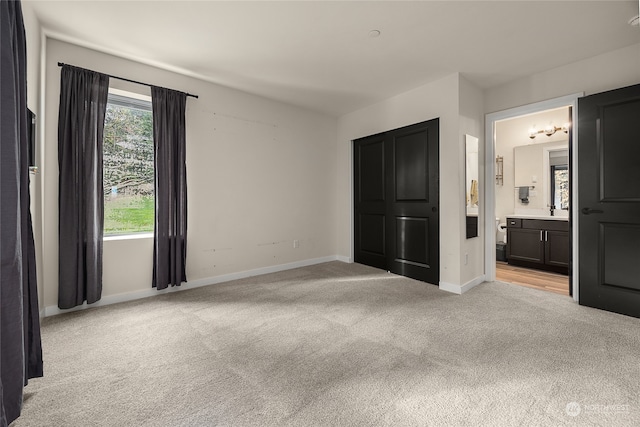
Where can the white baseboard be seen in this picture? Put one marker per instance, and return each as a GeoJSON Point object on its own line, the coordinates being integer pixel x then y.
{"type": "Point", "coordinates": [461, 289]}
{"type": "Point", "coordinates": [345, 259]}
{"type": "Point", "coordinates": [130, 296]}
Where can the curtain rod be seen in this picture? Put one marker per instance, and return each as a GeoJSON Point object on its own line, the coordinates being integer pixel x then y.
{"type": "Point", "coordinates": [60, 64]}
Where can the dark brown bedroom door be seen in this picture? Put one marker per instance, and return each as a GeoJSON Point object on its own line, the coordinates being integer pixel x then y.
{"type": "Point", "coordinates": [609, 200]}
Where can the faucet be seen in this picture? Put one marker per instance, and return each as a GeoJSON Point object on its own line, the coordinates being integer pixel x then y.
{"type": "Point", "coordinates": [551, 209]}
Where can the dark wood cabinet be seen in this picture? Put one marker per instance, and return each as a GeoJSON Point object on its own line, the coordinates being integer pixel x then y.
{"type": "Point", "coordinates": [535, 243]}
{"type": "Point", "coordinates": [525, 245]}
{"type": "Point", "coordinates": [557, 248]}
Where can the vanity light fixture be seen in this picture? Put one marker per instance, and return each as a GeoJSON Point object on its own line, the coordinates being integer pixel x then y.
{"type": "Point", "coordinates": [548, 130]}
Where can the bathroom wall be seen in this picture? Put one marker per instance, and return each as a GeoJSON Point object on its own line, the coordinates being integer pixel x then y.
{"type": "Point", "coordinates": [514, 133]}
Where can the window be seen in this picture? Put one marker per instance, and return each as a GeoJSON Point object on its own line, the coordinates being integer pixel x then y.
{"type": "Point", "coordinates": [128, 172]}
{"type": "Point", "coordinates": [560, 186]}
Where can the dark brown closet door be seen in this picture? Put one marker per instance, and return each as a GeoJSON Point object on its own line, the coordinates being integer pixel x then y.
{"type": "Point", "coordinates": [396, 201]}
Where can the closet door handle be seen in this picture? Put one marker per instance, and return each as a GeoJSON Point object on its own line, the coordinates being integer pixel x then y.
{"type": "Point", "coordinates": [546, 236]}
{"type": "Point", "coordinates": [589, 211]}
{"type": "Point", "coordinates": [541, 235]}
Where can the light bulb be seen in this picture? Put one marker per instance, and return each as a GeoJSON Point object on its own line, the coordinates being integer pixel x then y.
{"type": "Point", "coordinates": [550, 130]}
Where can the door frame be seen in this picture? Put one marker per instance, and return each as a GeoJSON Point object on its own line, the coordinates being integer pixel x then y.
{"type": "Point", "coordinates": [490, 171]}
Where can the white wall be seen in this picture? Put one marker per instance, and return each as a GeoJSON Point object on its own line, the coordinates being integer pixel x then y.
{"type": "Point", "coordinates": [612, 70]}
{"type": "Point", "coordinates": [33, 38]}
{"type": "Point", "coordinates": [32, 33]}
{"type": "Point", "coordinates": [471, 117]}
{"type": "Point", "coordinates": [260, 174]}
{"type": "Point", "coordinates": [439, 99]}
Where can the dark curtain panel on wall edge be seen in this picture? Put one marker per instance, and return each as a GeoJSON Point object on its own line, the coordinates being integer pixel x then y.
{"type": "Point", "coordinates": [83, 103]}
{"type": "Point", "coordinates": [170, 235]}
{"type": "Point", "coordinates": [20, 347]}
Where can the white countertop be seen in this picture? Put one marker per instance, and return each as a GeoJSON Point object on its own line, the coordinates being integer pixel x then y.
{"type": "Point", "coordinates": [544, 217]}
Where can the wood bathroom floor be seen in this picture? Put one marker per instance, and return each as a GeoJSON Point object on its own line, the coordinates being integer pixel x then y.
{"type": "Point", "coordinates": [547, 281]}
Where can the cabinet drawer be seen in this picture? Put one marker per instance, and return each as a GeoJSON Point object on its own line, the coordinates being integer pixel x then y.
{"type": "Point", "coordinates": [557, 225]}
{"type": "Point", "coordinates": [514, 223]}
{"type": "Point", "coordinates": [541, 224]}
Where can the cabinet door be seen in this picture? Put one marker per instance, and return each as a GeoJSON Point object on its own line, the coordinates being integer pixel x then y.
{"type": "Point", "coordinates": [557, 248]}
{"type": "Point", "coordinates": [525, 245]}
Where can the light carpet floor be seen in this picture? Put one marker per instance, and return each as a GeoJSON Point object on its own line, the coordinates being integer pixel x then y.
{"type": "Point", "coordinates": [338, 345]}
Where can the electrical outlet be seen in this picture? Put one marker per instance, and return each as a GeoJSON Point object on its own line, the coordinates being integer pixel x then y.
{"type": "Point", "coordinates": [466, 259]}
{"type": "Point", "coordinates": [296, 243]}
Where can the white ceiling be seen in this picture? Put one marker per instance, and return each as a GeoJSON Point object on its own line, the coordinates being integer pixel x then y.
{"type": "Point", "coordinates": [318, 54]}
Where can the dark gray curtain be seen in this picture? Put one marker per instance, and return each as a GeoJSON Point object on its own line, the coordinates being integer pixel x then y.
{"type": "Point", "coordinates": [20, 348]}
{"type": "Point", "coordinates": [170, 235]}
{"type": "Point", "coordinates": [83, 103]}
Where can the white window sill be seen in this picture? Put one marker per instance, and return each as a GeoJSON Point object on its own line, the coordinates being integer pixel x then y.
{"type": "Point", "coordinates": [128, 236]}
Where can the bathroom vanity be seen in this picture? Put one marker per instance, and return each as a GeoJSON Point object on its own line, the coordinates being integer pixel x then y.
{"type": "Point", "coordinates": [540, 242]}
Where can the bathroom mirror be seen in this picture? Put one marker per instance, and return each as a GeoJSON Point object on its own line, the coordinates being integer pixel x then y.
{"type": "Point", "coordinates": [543, 169]}
{"type": "Point", "coordinates": [472, 188]}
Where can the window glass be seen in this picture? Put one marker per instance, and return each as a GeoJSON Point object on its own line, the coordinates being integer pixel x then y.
{"type": "Point", "coordinates": [128, 172]}
{"type": "Point", "coordinates": [560, 186]}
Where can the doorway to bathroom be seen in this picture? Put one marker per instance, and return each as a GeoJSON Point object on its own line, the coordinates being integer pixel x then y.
{"type": "Point", "coordinates": [529, 160]}
{"type": "Point", "coordinates": [532, 200]}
